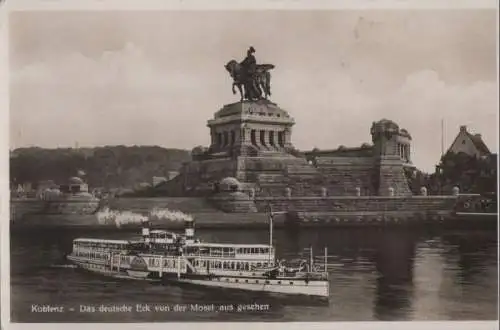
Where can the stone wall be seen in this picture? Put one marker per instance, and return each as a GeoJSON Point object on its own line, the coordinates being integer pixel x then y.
{"type": "Point", "coordinates": [357, 204]}
{"type": "Point", "coordinates": [342, 175]}
{"type": "Point", "coordinates": [233, 202]}
{"type": "Point", "coordinates": [198, 178]}
{"type": "Point", "coordinates": [391, 175]}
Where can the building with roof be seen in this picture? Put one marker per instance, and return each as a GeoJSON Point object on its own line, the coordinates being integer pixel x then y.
{"type": "Point", "coordinates": [468, 143]}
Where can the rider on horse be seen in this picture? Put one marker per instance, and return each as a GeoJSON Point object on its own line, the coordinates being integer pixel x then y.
{"type": "Point", "coordinates": [249, 65]}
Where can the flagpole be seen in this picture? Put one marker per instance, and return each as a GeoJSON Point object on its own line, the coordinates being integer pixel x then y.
{"type": "Point", "coordinates": [442, 137]}
{"type": "Point", "coordinates": [270, 233]}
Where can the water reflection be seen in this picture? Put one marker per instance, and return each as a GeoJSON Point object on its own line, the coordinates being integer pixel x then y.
{"type": "Point", "coordinates": [377, 274]}
{"type": "Point", "coordinates": [470, 252]}
{"type": "Point", "coordinates": [394, 261]}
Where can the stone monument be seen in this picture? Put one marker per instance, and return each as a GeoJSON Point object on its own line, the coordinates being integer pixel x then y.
{"type": "Point", "coordinates": [251, 143]}
{"type": "Point", "coordinates": [250, 140]}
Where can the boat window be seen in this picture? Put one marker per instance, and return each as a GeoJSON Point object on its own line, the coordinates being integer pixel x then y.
{"type": "Point", "coordinates": [233, 266]}
{"type": "Point", "coordinates": [247, 266]}
{"type": "Point", "coordinates": [291, 283]}
{"type": "Point", "coordinates": [267, 282]}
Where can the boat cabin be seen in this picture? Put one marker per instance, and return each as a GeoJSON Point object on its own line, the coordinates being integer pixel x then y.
{"type": "Point", "coordinates": [162, 237]}
{"type": "Point", "coordinates": [98, 249]}
{"type": "Point", "coordinates": [233, 251]}
{"type": "Point", "coordinates": [99, 244]}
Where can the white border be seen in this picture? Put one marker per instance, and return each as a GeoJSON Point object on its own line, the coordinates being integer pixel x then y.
{"type": "Point", "coordinates": [246, 4]}
{"type": "Point", "coordinates": [14, 5]}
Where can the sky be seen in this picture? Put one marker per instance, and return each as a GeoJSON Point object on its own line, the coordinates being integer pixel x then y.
{"type": "Point", "coordinates": [155, 78]}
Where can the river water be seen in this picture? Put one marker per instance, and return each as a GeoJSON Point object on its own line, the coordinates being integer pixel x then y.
{"type": "Point", "coordinates": [375, 274]}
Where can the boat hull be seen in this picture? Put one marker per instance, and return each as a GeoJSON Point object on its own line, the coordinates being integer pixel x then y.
{"type": "Point", "coordinates": [318, 288]}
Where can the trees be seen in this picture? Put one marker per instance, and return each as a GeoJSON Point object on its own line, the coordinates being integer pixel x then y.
{"type": "Point", "coordinates": [469, 173]}
{"type": "Point", "coordinates": [107, 167]}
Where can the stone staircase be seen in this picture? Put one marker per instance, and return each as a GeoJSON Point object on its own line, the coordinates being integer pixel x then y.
{"type": "Point", "coordinates": [296, 174]}
{"type": "Point", "coordinates": [342, 176]}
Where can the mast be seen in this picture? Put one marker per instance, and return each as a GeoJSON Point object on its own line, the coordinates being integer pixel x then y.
{"type": "Point", "coordinates": [310, 258]}
{"type": "Point", "coordinates": [442, 137]}
{"type": "Point", "coordinates": [270, 233]}
{"type": "Point", "coordinates": [326, 261]}
{"type": "Point", "coordinates": [145, 231]}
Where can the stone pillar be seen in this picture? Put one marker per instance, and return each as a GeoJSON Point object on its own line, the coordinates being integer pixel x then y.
{"type": "Point", "coordinates": [244, 136]}
{"type": "Point", "coordinates": [455, 191]}
{"type": "Point", "coordinates": [267, 138]}
{"type": "Point", "coordinates": [233, 137]}
{"type": "Point", "coordinates": [255, 135]}
{"type": "Point", "coordinates": [225, 138]}
{"type": "Point", "coordinates": [423, 191]}
{"type": "Point", "coordinates": [288, 192]}
{"type": "Point", "coordinates": [260, 141]}
{"type": "Point", "coordinates": [358, 191]}
{"type": "Point", "coordinates": [287, 137]}
{"type": "Point", "coordinates": [272, 139]}
{"type": "Point", "coordinates": [213, 138]}
{"type": "Point", "coordinates": [281, 139]}
{"type": "Point", "coordinates": [324, 192]}
{"type": "Point", "coordinates": [391, 192]}
{"type": "Point", "coordinates": [219, 140]}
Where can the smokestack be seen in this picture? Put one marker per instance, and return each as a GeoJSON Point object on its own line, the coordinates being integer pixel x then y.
{"type": "Point", "coordinates": [145, 231]}
{"type": "Point", "coordinates": [189, 230]}
{"type": "Point", "coordinates": [478, 135]}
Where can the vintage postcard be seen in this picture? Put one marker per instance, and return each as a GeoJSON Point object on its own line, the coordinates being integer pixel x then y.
{"type": "Point", "coordinates": [173, 163]}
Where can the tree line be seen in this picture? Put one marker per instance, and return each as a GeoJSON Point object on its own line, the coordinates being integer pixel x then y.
{"type": "Point", "coordinates": [107, 167]}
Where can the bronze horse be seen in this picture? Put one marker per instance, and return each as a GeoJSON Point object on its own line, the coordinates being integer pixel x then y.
{"type": "Point", "coordinates": [254, 86]}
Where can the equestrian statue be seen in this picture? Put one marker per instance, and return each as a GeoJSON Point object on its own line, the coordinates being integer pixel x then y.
{"type": "Point", "coordinates": [252, 80]}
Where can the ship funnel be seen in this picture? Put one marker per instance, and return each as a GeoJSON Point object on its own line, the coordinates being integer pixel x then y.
{"type": "Point", "coordinates": [189, 230]}
{"type": "Point", "coordinates": [145, 231]}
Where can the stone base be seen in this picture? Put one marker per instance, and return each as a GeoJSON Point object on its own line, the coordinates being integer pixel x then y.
{"type": "Point", "coordinates": [234, 202]}
{"type": "Point", "coordinates": [390, 172]}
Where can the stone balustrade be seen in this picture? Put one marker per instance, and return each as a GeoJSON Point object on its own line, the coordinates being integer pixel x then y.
{"type": "Point", "coordinates": [357, 204]}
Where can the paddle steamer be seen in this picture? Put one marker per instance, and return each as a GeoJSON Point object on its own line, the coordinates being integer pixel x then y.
{"type": "Point", "coordinates": [165, 256]}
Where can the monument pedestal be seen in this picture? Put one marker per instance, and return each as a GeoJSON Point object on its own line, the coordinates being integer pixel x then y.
{"type": "Point", "coordinates": [250, 128]}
